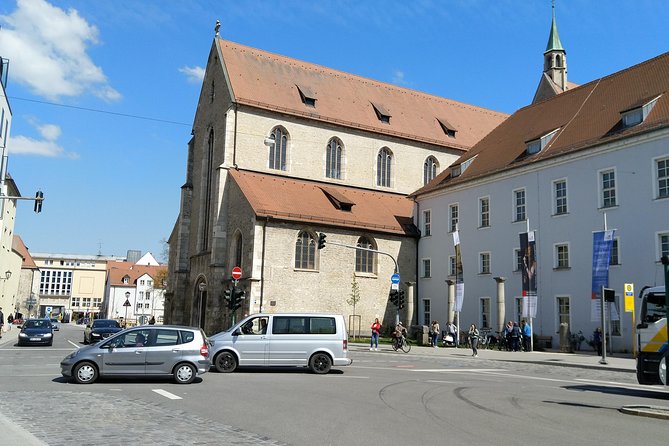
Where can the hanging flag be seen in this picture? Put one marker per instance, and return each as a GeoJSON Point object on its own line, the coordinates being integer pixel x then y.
{"type": "Point", "coordinates": [529, 274]}
{"type": "Point", "coordinates": [459, 280]}
{"type": "Point", "coordinates": [602, 243]}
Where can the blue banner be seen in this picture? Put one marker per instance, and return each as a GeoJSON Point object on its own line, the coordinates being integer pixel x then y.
{"type": "Point", "coordinates": [602, 242]}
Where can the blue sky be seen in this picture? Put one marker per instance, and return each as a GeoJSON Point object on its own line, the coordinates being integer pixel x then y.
{"type": "Point", "coordinates": [110, 157]}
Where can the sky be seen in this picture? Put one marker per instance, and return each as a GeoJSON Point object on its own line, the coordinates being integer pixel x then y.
{"type": "Point", "coordinates": [103, 93]}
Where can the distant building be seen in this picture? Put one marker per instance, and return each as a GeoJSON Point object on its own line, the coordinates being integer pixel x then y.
{"type": "Point", "coordinates": [284, 150]}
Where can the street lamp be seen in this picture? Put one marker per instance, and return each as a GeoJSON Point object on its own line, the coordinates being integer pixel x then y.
{"type": "Point", "coordinates": [202, 287]}
{"type": "Point", "coordinates": [8, 274]}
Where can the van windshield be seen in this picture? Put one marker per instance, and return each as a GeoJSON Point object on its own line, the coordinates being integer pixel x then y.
{"type": "Point", "coordinates": [653, 308]}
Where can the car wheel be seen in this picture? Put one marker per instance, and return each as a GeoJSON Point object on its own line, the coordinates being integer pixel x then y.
{"type": "Point", "coordinates": [184, 373]}
{"type": "Point", "coordinates": [85, 373]}
{"type": "Point", "coordinates": [320, 363]}
{"type": "Point", "coordinates": [225, 362]}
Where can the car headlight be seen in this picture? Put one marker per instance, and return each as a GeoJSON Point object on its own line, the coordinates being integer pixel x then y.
{"type": "Point", "coordinates": [23, 335]}
{"type": "Point", "coordinates": [73, 354]}
{"type": "Point", "coordinates": [48, 335]}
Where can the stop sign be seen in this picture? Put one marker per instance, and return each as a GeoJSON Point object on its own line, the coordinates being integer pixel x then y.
{"type": "Point", "coordinates": [236, 273]}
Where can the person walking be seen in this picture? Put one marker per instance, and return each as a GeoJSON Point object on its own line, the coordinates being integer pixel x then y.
{"type": "Point", "coordinates": [515, 337]}
{"type": "Point", "coordinates": [376, 329]}
{"type": "Point", "coordinates": [596, 339]}
{"type": "Point", "coordinates": [2, 321]}
{"type": "Point", "coordinates": [527, 335]}
{"type": "Point", "coordinates": [435, 330]}
{"type": "Point", "coordinates": [474, 339]}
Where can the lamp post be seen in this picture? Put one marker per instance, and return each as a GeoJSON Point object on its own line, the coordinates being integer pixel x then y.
{"type": "Point", "coordinates": [202, 287]}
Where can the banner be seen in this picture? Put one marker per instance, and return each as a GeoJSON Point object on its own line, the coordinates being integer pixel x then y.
{"type": "Point", "coordinates": [529, 274]}
{"type": "Point", "coordinates": [459, 279]}
{"type": "Point", "coordinates": [602, 242]}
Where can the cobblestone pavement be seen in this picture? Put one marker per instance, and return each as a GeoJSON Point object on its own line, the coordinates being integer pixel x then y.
{"type": "Point", "coordinates": [94, 419]}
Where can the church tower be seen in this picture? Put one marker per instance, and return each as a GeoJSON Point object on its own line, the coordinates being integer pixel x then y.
{"type": "Point", "coordinates": [554, 78]}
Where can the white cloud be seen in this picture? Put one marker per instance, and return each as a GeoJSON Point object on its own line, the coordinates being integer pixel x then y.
{"type": "Point", "coordinates": [194, 75]}
{"type": "Point", "coordinates": [47, 48]}
{"type": "Point", "coordinates": [47, 146]}
{"type": "Point", "coordinates": [398, 79]}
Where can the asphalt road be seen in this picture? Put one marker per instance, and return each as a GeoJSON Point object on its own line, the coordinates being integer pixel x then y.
{"type": "Point", "coordinates": [383, 398]}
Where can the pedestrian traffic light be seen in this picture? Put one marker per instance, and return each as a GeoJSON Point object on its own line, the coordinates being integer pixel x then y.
{"type": "Point", "coordinates": [39, 198]}
{"type": "Point", "coordinates": [401, 302]}
{"type": "Point", "coordinates": [321, 240]}
{"type": "Point", "coordinates": [394, 297]}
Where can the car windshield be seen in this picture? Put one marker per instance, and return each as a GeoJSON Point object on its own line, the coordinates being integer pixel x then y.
{"type": "Point", "coordinates": [104, 323]}
{"type": "Point", "coordinates": [36, 323]}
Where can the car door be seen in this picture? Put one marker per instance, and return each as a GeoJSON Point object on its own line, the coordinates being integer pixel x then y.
{"type": "Point", "coordinates": [290, 341]}
{"type": "Point", "coordinates": [163, 351]}
{"type": "Point", "coordinates": [252, 342]}
{"type": "Point", "coordinates": [125, 354]}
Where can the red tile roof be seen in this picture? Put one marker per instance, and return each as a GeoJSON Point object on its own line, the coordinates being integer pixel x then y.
{"type": "Point", "coordinates": [27, 261]}
{"type": "Point", "coordinates": [288, 199]}
{"type": "Point", "coordinates": [117, 270]}
{"type": "Point", "coordinates": [585, 117]}
{"type": "Point", "coordinates": [270, 81]}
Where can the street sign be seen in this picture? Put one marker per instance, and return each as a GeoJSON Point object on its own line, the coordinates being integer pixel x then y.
{"type": "Point", "coordinates": [48, 310]}
{"type": "Point", "coordinates": [395, 286]}
{"type": "Point", "coordinates": [127, 303]}
{"type": "Point", "coordinates": [236, 273]}
{"type": "Point", "coordinates": [629, 289]}
{"type": "Point", "coordinates": [395, 278]}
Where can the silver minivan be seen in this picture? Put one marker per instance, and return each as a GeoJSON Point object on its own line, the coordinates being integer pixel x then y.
{"type": "Point", "coordinates": [318, 341]}
{"type": "Point", "coordinates": [149, 350]}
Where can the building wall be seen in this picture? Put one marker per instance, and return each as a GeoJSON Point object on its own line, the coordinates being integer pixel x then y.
{"type": "Point", "coordinates": [637, 219]}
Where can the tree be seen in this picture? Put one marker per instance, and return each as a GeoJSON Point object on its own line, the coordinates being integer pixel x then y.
{"type": "Point", "coordinates": [353, 300]}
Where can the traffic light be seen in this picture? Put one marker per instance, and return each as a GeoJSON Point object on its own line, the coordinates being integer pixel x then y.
{"type": "Point", "coordinates": [609, 295]}
{"type": "Point", "coordinates": [394, 297]}
{"type": "Point", "coordinates": [39, 197]}
{"type": "Point", "coordinates": [227, 295]}
{"type": "Point", "coordinates": [401, 302]}
{"type": "Point", "coordinates": [321, 240]}
{"type": "Point", "coordinates": [236, 299]}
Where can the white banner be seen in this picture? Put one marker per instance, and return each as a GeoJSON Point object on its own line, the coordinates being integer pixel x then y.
{"type": "Point", "coordinates": [459, 296]}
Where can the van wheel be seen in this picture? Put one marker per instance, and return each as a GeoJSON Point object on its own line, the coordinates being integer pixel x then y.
{"type": "Point", "coordinates": [85, 373]}
{"type": "Point", "coordinates": [184, 373]}
{"type": "Point", "coordinates": [225, 362]}
{"type": "Point", "coordinates": [320, 363]}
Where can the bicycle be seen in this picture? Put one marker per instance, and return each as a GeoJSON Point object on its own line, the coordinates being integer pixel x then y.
{"type": "Point", "coordinates": [401, 343]}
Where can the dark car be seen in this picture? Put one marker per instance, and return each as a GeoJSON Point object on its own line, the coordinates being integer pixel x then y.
{"type": "Point", "coordinates": [100, 329]}
{"type": "Point", "coordinates": [36, 332]}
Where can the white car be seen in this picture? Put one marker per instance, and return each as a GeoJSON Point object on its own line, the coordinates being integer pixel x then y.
{"type": "Point", "coordinates": [55, 324]}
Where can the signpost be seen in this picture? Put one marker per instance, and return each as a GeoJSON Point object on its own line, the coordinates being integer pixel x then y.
{"type": "Point", "coordinates": [236, 273]}
{"type": "Point", "coordinates": [395, 282]}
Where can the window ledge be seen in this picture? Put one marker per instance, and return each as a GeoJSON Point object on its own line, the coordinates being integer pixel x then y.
{"type": "Point", "coordinates": [519, 221]}
{"type": "Point", "coordinates": [485, 274]}
{"type": "Point", "coordinates": [562, 268]}
{"type": "Point", "coordinates": [561, 214]}
{"type": "Point", "coordinates": [606, 208]}
{"type": "Point", "coordinates": [368, 275]}
{"type": "Point", "coordinates": [661, 198]}
{"type": "Point", "coordinates": [426, 277]}
{"type": "Point", "coordinates": [305, 270]}
{"type": "Point", "coordinates": [484, 227]}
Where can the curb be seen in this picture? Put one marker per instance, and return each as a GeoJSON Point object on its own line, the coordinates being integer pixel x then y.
{"type": "Point", "coordinates": [659, 412]}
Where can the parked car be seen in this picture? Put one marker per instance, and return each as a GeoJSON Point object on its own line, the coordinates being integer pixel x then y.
{"type": "Point", "coordinates": [165, 350]}
{"type": "Point", "coordinates": [55, 323]}
{"type": "Point", "coordinates": [36, 332]}
{"type": "Point", "coordinates": [317, 341]}
{"type": "Point", "coordinates": [100, 329]}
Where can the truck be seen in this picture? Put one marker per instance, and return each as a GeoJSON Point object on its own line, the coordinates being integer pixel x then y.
{"type": "Point", "coordinates": [651, 336]}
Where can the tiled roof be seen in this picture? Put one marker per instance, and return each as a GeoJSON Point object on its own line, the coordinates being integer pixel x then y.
{"type": "Point", "coordinates": [27, 261]}
{"type": "Point", "coordinates": [315, 203]}
{"type": "Point", "coordinates": [118, 270]}
{"type": "Point", "coordinates": [586, 116]}
{"type": "Point", "coordinates": [269, 81]}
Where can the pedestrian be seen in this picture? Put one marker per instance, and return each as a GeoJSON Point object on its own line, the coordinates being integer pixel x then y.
{"type": "Point", "coordinates": [596, 340]}
{"type": "Point", "coordinates": [435, 333]}
{"type": "Point", "coordinates": [474, 339]}
{"type": "Point", "coordinates": [152, 321]}
{"type": "Point", "coordinates": [527, 336]}
{"type": "Point", "coordinates": [376, 329]}
{"type": "Point", "coordinates": [515, 337]}
{"type": "Point", "coordinates": [2, 321]}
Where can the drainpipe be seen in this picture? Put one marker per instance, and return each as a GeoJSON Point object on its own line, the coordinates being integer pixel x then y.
{"type": "Point", "coordinates": [262, 263]}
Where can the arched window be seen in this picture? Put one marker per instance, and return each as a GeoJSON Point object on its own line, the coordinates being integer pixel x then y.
{"type": "Point", "coordinates": [237, 253]}
{"type": "Point", "coordinates": [384, 162]}
{"type": "Point", "coordinates": [558, 61]}
{"type": "Point", "coordinates": [365, 260]}
{"type": "Point", "coordinates": [206, 214]}
{"type": "Point", "coordinates": [333, 159]}
{"type": "Point", "coordinates": [430, 169]}
{"type": "Point", "coordinates": [278, 145]}
{"type": "Point", "coordinates": [305, 251]}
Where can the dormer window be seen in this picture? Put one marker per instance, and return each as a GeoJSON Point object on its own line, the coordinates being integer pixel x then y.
{"type": "Point", "coordinates": [637, 114]}
{"type": "Point", "coordinates": [126, 279]}
{"type": "Point", "coordinates": [382, 113]}
{"type": "Point", "coordinates": [307, 96]}
{"type": "Point", "coordinates": [458, 170]}
{"type": "Point", "coordinates": [537, 145]}
{"type": "Point", "coordinates": [448, 129]}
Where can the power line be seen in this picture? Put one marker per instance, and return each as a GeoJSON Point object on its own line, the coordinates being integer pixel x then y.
{"type": "Point", "coordinates": [125, 115]}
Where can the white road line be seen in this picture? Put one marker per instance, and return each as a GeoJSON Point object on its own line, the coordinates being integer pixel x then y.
{"type": "Point", "coordinates": [347, 376]}
{"type": "Point", "coordinates": [76, 345]}
{"type": "Point", "coordinates": [458, 370]}
{"type": "Point", "coordinates": [167, 394]}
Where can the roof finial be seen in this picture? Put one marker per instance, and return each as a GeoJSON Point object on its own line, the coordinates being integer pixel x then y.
{"type": "Point", "coordinates": [217, 27]}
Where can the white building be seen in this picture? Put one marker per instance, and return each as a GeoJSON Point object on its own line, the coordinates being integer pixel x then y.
{"type": "Point", "coordinates": [562, 167]}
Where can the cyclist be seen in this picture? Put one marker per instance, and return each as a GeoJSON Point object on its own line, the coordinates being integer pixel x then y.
{"type": "Point", "coordinates": [399, 333]}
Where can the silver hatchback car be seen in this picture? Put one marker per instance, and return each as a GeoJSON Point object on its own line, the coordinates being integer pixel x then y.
{"type": "Point", "coordinates": [149, 350]}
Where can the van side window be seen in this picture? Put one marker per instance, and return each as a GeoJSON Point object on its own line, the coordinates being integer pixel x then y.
{"type": "Point", "coordinates": [303, 325]}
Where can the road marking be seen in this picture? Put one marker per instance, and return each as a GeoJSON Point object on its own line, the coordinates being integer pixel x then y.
{"type": "Point", "coordinates": [347, 376]}
{"type": "Point", "coordinates": [167, 394]}
{"type": "Point", "coordinates": [436, 381]}
{"type": "Point", "coordinates": [76, 345]}
{"type": "Point", "coordinates": [459, 370]}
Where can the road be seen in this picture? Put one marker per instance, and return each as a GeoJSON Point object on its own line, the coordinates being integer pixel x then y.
{"type": "Point", "coordinates": [384, 397]}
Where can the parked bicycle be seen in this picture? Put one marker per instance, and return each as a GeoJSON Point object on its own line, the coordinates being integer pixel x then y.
{"type": "Point", "coordinates": [401, 343]}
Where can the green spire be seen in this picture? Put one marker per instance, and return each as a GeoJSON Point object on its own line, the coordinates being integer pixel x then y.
{"type": "Point", "coordinates": [554, 43]}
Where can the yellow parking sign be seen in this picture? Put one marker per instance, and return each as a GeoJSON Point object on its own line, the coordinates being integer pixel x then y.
{"type": "Point", "coordinates": [629, 298]}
